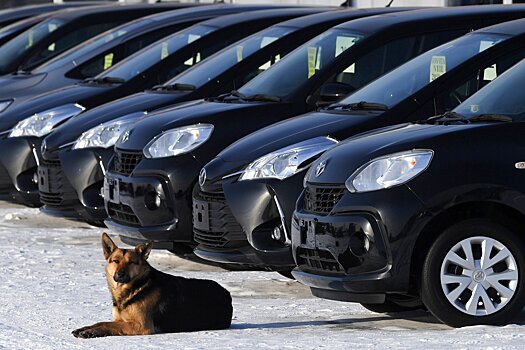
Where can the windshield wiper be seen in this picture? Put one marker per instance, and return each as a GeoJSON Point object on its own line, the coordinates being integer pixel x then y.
{"type": "Point", "coordinates": [445, 118]}
{"type": "Point", "coordinates": [174, 87]}
{"type": "Point", "coordinates": [23, 71]}
{"type": "Point", "coordinates": [359, 106]}
{"type": "Point", "coordinates": [490, 118]}
{"type": "Point", "coordinates": [105, 80]}
{"type": "Point", "coordinates": [262, 97]}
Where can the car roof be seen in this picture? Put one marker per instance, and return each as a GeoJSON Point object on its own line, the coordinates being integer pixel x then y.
{"type": "Point", "coordinates": [104, 8]}
{"type": "Point", "coordinates": [268, 12]}
{"type": "Point", "coordinates": [342, 13]}
{"type": "Point", "coordinates": [12, 14]}
{"type": "Point", "coordinates": [514, 27]}
{"type": "Point", "coordinates": [413, 19]}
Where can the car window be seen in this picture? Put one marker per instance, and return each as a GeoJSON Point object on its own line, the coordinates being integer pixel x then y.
{"type": "Point", "coordinates": [242, 50]}
{"type": "Point", "coordinates": [407, 79]}
{"type": "Point", "coordinates": [161, 50]}
{"type": "Point", "coordinates": [69, 40]}
{"type": "Point", "coordinates": [499, 97]}
{"type": "Point", "coordinates": [109, 58]}
{"type": "Point", "coordinates": [317, 55]}
{"type": "Point", "coordinates": [16, 47]}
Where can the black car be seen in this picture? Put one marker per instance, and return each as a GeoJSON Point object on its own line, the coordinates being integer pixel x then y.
{"type": "Point", "coordinates": [24, 131]}
{"type": "Point", "coordinates": [12, 15]}
{"type": "Point", "coordinates": [218, 74]}
{"type": "Point", "coordinates": [431, 211]}
{"type": "Point", "coordinates": [149, 183]}
{"type": "Point", "coordinates": [99, 53]}
{"type": "Point", "coordinates": [15, 21]}
{"type": "Point", "coordinates": [65, 29]}
{"type": "Point", "coordinates": [260, 181]}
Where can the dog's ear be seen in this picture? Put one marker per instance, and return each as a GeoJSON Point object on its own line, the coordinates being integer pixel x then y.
{"type": "Point", "coordinates": [144, 249]}
{"type": "Point", "coordinates": [108, 246]}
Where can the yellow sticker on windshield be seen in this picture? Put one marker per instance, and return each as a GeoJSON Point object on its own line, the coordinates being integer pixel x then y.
{"type": "Point", "coordinates": [438, 67]}
{"type": "Point", "coordinates": [164, 51]}
{"type": "Point", "coordinates": [312, 55]}
{"type": "Point", "coordinates": [490, 73]}
{"type": "Point", "coordinates": [51, 47]}
{"type": "Point", "coordinates": [108, 60]}
{"type": "Point", "coordinates": [30, 38]}
{"type": "Point", "coordinates": [51, 27]}
{"type": "Point", "coordinates": [239, 53]}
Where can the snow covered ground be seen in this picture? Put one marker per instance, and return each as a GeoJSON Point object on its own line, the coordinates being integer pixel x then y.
{"type": "Point", "coordinates": [52, 281]}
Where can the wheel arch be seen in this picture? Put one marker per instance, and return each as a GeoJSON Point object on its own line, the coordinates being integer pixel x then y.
{"type": "Point", "coordinates": [505, 215]}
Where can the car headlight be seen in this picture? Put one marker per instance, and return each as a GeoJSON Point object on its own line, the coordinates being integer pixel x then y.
{"type": "Point", "coordinates": [4, 104]}
{"type": "Point", "coordinates": [388, 171]}
{"type": "Point", "coordinates": [106, 135]}
{"type": "Point", "coordinates": [286, 161]}
{"type": "Point", "coordinates": [43, 123]}
{"type": "Point", "coordinates": [178, 141]}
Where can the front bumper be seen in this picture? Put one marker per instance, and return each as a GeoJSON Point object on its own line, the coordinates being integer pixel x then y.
{"type": "Point", "coordinates": [221, 239]}
{"type": "Point", "coordinates": [151, 199]}
{"type": "Point", "coordinates": [84, 170]}
{"type": "Point", "coordinates": [348, 245]}
{"type": "Point", "coordinates": [19, 157]}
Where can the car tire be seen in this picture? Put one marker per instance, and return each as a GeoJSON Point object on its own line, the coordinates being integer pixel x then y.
{"type": "Point", "coordinates": [474, 273]}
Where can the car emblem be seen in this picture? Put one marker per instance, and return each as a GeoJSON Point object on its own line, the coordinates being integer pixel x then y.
{"type": "Point", "coordinates": [320, 168]}
{"type": "Point", "coordinates": [202, 177]}
{"type": "Point", "coordinates": [125, 137]}
{"type": "Point", "coordinates": [520, 165]}
{"type": "Point", "coordinates": [43, 147]}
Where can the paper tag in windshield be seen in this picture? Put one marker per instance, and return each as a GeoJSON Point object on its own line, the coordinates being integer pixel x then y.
{"type": "Point", "coordinates": [108, 60]}
{"type": "Point", "coordinates": [51, 47]}
{"type": "Point", "coordinates": [438, 67]}
{"type": "Point", "coordinates": [164, 51]}
{"type": "Point", "coordinates": [51, 27]}
{"type": "Point", "coordinates": [239, 53]}
{"type": "Point", "coordinates": [490, 73]}
{"type": "Point", "coordinates": [192, 38]}
{"type": "Point", "coordinates": [485, 44]}
{"type": "Point", "coordinates": [267, 40]}
{"type": "Point", "coordinates": [30, 38]}
{"type": "Point", "coordinates": [342, 43]}
{"type": "Point", "coordinates": [312, 55]}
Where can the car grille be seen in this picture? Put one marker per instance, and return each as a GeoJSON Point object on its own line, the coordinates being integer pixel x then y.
{"type": "Point", "coordinates": [61, 194]}
{"type": "Point", "coordinates": [316, 260]}
{"type": "Point", "coordinates": [321, 200]}
{"type": "Point", "coordinates": [224, 231]}
{"type": "Point", "coordinates": [124, 163]}
{"type": "Point", "coordinates": [122, 214]}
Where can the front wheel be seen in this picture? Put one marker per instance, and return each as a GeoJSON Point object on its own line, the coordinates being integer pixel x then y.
{"type": "Point", "coordinates": [474, 274]}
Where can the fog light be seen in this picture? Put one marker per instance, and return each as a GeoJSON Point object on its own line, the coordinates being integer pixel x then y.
{"type": "Point", "coordinates": [359, 244]}
{"type": "Point", "coordinates": [152, 200]}
{"type": "Point", "coordinates": [35, 178]}
{"type": "Point", "coordinates": [277, 233]}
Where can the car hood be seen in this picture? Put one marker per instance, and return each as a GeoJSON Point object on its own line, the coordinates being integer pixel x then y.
{"type": "Point", "coordinates": [344, 159]}
{"type": "Point", "coordinates": [83, 95]}
{"type": "Point", "coordinates": [15, 82]}
{"type": "Point", "coordinates": [194, 112]}
{"type": "Point", "coordinates": [291, 131]}
{"type": "Point", "coordinates": [140, 102]}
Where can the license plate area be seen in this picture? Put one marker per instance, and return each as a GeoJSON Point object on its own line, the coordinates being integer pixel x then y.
{"type": "Point", "coordinates": [201, 215]}
{"type": "Point", "coordinates": [308, 230]}
{"type": "Point", "coordinates": [43, 179]}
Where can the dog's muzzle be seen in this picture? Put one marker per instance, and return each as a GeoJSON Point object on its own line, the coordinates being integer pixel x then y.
{"type": "Point", "coordinates": [121, 277]}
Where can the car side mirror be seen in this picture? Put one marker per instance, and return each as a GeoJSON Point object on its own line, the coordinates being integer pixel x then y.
{"type": "Point", "coordinates": [332, 92]}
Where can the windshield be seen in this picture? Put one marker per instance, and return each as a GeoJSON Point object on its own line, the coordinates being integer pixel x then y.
{"type": "Point", "coordinates": [12, 28]}
{"type": "Point", "coordinates": [25, 41]}
{"type": "Point", "coordinates": [289, 74]}
{"type": "Point", "coordinates": [156, 52]}
{"type": "Point", "coordinates": [230, 56]}
{"type": "Point", "coordinates": [500, 97]}
{"type": "Point", "coordinates": [407, 79]}
{"type": "Point", "coordinates": [82, 51]}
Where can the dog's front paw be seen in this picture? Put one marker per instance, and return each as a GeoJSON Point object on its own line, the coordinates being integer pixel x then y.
{"type": "Point", "coordinates": [88, 332]}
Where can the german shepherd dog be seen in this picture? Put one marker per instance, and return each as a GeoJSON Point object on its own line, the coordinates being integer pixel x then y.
{"type": "Point", "coordinates": [148, 301]}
